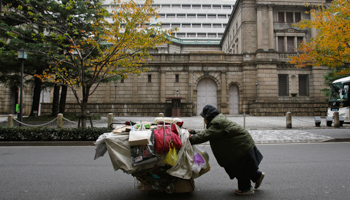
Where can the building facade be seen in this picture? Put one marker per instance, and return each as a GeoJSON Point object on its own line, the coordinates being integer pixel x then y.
{"type": "Point", "coordinates": [196, 20]}
{"type": "Point", "coordinates": [247, 72]}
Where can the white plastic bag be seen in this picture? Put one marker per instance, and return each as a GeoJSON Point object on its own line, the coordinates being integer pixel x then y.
{"type": "Point", "coordinates": [100, 145]}
{"type": "Point", "coordinates": [201, 162]}
{"type": "Point", "coordinates": [141, 136]}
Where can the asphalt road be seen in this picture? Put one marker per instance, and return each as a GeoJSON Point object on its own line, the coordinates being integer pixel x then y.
{"type": "Point", "coordinates": [293, 171]}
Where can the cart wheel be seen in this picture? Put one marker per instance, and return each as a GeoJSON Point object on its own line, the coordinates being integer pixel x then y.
{"type": "Point", "coordinates": [170, 188]}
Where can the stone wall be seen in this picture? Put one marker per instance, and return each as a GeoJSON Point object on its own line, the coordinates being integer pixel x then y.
{"type": "Point", "coordinates": [125, 109]}
{"type": "Point", "coordinates": [281, 108]}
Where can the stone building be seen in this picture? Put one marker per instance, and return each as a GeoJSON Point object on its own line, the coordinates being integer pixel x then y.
{"type": "Point", "coordinates": [248, 72]}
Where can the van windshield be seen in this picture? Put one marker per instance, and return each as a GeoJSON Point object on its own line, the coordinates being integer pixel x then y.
{"type": "Point", "coordinates": [339, 92]}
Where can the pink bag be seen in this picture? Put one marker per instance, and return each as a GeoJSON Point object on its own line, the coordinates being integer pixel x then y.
{"type": "Point", "coordinates": [161, 143]}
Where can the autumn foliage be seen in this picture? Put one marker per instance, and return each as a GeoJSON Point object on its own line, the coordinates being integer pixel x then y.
{"type": "Point", "coordinates": [331, 46]}
{"type": "Point", "coordinates": [89, 43]}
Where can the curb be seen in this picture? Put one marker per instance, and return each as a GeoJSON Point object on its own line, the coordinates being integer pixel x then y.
{"type": "Point", "coordinates": [47, 143]}
{"type": "Point", "coordinates": [338, 140]}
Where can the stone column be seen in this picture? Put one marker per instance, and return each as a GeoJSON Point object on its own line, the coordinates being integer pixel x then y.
{"type": "Point", "coordinates": [271, 39]}
{"type": "Point", "coordinates": [134, 89]}
{"type": "Point", "coordinates": [190, 86]}
{"type": "Point", "coordinates": [285, 44]}
{"type": "Point", "coordinates": [224, 104]}
{"type": "Point", "coordinates": [259, 26]}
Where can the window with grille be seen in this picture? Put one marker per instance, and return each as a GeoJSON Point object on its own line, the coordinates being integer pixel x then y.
{"type": "Point", "coordinates": [196, 6]}
{"type": "Point", "coordinates": [202, 16]}
{"type": "Point", "coordinates": [299, 40]}
{"type": "Point", "coordinates": [280, 43]}
{"type": "Point", "coordinates": [181, 16]}
{"type": "Point", "coordinates": [149, 78]}
{"type": "Point", "coordinates": [180, 34]}
{"type": "Point", "coordinates": [175, 25]}
{"type": "Point", "coordinates": [206, 25]}
{"type": "Point", "coordinates": [283, 89]}
{"type": "Point", "coordinates": [216, 6]}
{"type": "Point", "coordinates": [191, 35]}
{"type": "Point", "coordinates": [212, 35]}
{"type": "Point", "coordinates": [206, 6]}
{"type": "Point", "coordinates": [166, 6]}
{"type": "Point", "coordinates": [303, 85]}
{"type": "Point", "coordinates": [227, 7]}
{"type": "Point", "coordinates": [289, 16]}
{"type": "Point", "coordinates": [191, 16]}
{"type": "Point", "coordinates": [202, 35]}
{"type": "Point", "coordinates": [170, 16]}
{"type": "Point", "coordinates": [290, 44]}
{"type": "Point", "coordinates": [161, 15]}
{"type": "Point", "coordinates": [211, 16]}
{"type": "Point", "coordinates": [196, 26]}
{"type": "Point", "coordinates": [281, 17]}
{"type": "Point", "coordinates": [166, 25]}
{"type": "Point", "coordinates": [186, 6]}
{"type": "Point", "coordinates": [186, 25]}
{"type": "Point", "coordinates": [176, 6]}
{"type": "Point", "coordinates": [222, 16]}
{"type": "Point", "coordinates": [177, 79]}
{"type": "Point", "coordinates": [297, 17]}
{"type": "Point", "coordinates": [216, 25]}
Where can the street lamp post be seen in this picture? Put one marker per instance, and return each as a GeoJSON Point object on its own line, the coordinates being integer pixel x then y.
{"type": "Point", "coordinates": [22, 55]}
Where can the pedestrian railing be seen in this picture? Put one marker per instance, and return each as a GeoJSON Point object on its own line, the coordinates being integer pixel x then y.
{"type": "Point", "coordinates": [58, 121]}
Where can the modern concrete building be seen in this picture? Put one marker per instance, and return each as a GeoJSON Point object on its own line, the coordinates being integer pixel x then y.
{"type": "Point", "coordinates": [199, 21]}
{"type": "Point", "coordinates": [247, 72]}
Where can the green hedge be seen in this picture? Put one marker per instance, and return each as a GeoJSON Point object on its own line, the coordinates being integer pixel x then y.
{"type": "Point", "coordinates": [50, 134]}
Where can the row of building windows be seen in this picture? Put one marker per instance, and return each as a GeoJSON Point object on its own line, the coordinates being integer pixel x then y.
{"type": "Point", "coordinates": [288, 43]}
{"type": "Point", "coordinates": [289, 17]}
{"type": "Point", "coordinates": [185, 6]}
{"type": "Point", "coordinates": [193, 16]}
{"type": "Point", "coordinates": [177, 78]}
{"type": "Point", "coordinates": [196, 25]}
{"type": "Point", "coordinates": [283, 85]}
{"type": "Point", "coordinates": [199, 35]}
{"type": "Point", "coordinates": [195, 6]}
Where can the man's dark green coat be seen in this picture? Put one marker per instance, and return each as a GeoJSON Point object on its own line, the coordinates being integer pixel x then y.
{"type": "Point", "coordinates": [228, 140]}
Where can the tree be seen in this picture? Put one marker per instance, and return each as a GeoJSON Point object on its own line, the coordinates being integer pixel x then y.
{"type": "Point", "coordinates": [331, 46]}
{"type": "Point", "coordinates": [95, 49]}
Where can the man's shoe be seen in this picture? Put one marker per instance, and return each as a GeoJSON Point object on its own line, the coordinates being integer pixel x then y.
{"type": "Point", "coordinates": [246, 192]}
{"type": "Point", "coordinates": [259, 181]}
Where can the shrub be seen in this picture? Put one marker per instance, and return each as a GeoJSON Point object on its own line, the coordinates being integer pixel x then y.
{"type": "Point", "coordinates": [50, 134]}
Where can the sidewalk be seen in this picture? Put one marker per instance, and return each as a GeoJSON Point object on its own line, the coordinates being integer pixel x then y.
{"type": "Point", "coordinates": [264, 130]}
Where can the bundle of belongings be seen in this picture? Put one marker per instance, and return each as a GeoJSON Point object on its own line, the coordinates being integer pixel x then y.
{"type": "Point", "coordinates": [159, 155]}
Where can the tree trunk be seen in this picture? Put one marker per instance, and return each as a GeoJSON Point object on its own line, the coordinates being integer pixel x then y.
{"type": "Point", "coordinates": [36, 95]}
{"type": "Point", "coordinates": [56, 95]}
{"type": "Point", "coordinates": [84, 105]}
{"type": "Point", "coordinates": [63, 99]}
